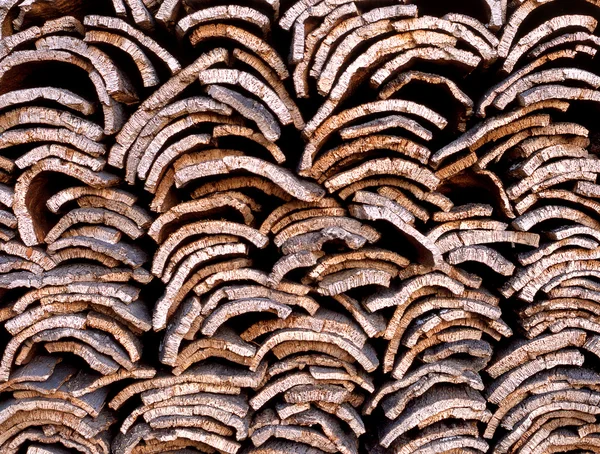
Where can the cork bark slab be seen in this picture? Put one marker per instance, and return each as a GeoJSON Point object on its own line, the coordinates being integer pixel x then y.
{"type": "Point", "coordinates": [299, 226]}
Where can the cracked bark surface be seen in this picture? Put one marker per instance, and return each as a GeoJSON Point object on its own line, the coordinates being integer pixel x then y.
{"type": "Point", "coordinates": [299, 226]}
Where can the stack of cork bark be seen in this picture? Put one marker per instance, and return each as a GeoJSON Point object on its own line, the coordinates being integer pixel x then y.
{"type": "Point", "coordinates": [299, 226]}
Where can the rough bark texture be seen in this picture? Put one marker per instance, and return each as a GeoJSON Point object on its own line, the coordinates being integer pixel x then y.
{"type": "Point", "coordinates": [299, 226]}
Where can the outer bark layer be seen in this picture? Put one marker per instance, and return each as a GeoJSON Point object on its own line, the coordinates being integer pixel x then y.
{"type": "Point", "coordinates": [299, 227]}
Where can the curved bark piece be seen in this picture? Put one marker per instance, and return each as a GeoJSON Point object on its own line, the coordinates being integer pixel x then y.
{"type": "Point", "coordinates": [458, 239]}
{"type": "Point", "coordinates": [339, 16]}
{"type": "Point", "coordinates": [475, 135]}
{"type": "Point", "coordinates": [187, 276]}
{"type": "Point", "coordinates": [264, 185]}
{"type": "Point", "coordinates": [440, 430]}
{"type": "Point", "coordinates": [534, 217]}
{"type": "Point", "coordinates": [63, 326]}
{"type": "Point", "coordinates": [68, 154]}
{"type": "Point", "coordinates": [124, 253]}
{"type": "Point", "coordinates": [553, 25]}
{"type": "Point", "coordinates": [34, 255]}
{"type": "Point", "coordinates": [343, 281]}
{"type": "Point", "coordinates": [463, 33]}
{"type": "Point", "coordinates": [117, 84]}
{"type": "Point", "coordinates": [212, 378]}
{"type": "Point", "coordinates": [331, 261]}
{"type": "Point", "coordinates": [206, 206]}
{"type": "Point", "coordinates": [396, 404]}
{"type": "Point", "coordinates": [493, 93]}
{"type": "Point", "coordinates": [549, 76]}
{"type": "Point", "coordinates": [55, 203]}
{"type": "Point", "coordinates": [134, 314]}
{"type": "Point", "coordinates": [444, 54]}
{"type": "Point", "coordinates": [403, 295]}
{"type": "Point", "coordinates": [365, 356]}
{"type": "Point", "coordinates": [551, 380]}
{"type": "Point", "coordinates": [240, 307]}
{"type": "Point", "coordinates": [175, 239]}
{"type": "Point", "coordinates": [527, 167]}
{"type": "Point", "coordinates": [389, 122]}
{"type": "Point", "coordinates": [372, 33]}
{"type": "Point", "coordinates": [482, 254]}
{"type": "Point", "coordinates": [290, 262]}
{"type": "Point", "coordinates": [510, 382]}
{"type": "Point", "coordinates": [133, 212]}
{"type": "Point", "coordinates": [586, 43]}
{"type": "Point", "coordinates": [315, 241]}
{"type": "Point", "coordinates": [125, 293]}
{"type": "Point", "coordinates": [280, 386]}
{"type": "Point", "coordinates": [338, 439]}
{"type": "Point", "coordinates": [253, 85]}
{"type": "Point", "coordinates": [31, 228]}
{"type": "Point", "coordinates": [242, 272]}
{"type": "Point", "coordinates": [116, 24]}
{"type": "Point", "coordinates": [430, 252]}
{"type": "Point", "coordinates": [355, 73]}
{"type": "Point", "coordinates": [463, 403]}
{"type": "Point", "coordinates": [304, 214]}
{"type": "Point", "coordinates": [140, 59]}
{"type": "Point", "coordinates": [395, 202]}
{"type": "Point", "coordinates": [393, 187]}
{"type": "Point", "coordinates": [158, 100]}
{"type": "Point", "coordinates": [414, 323]}
{"type": "Point", "coordinates": [250, 134]}
{"type": "Point", "coordinates": [70, 273]}
{"type": "Point", "coordinates": [60, 96]}
{"type": "Point", "coordinates": [227, 412]}
{"type": "Point", "coordinates": [167, 123]}
{"type": "Point", "coordinates": [462, 212]}
{"type": "Point", "coordinates": [216, 13]}
{"type": "Point", "coordinates": [246, 39]}
{"type": "Point", "coordinates": [461, 338]}
{"type": "Point", "coordinates": [392, 87]}
{"type": "Point", "coordinates": [96, 361]}
{"type": "Point", "coordinates": [446, 370]}
{"type": "Point", "coordinates": [224, 345]}
{"type": "Point", "coordinates": [282, 447]}
{"type": "Point", "coordinates": [322, 321]}
{"type": "Point", "coordinates": [336, 122]}
{"type": "Point", "coordinates": [94, 216]}
{"type": "Point", "coordinates": [299, 435]}
{"type": "Point", "coordinates": [302, 190]}
{"type": "Point", "coordinates": [42, 134]}
{"type": "Point", "coordinates": [557, 92]}
{"type": "Point", "coordinates": [525, 9]}
{"type": "Point", "coordinates": [384, 166]}
{"type": "Point", "coordinates": [323, 223]}
{"type": "Point", "coordinates": [532, 272]}
{"type": "Point", "coordinates": [52, 117]}
{"type": "Point", "coordinates": [334, 160]}
{"type": "Point", "coordinates": [274, 81]}
{"type": "Point", "coordinates": [248, 108]}
{"type": "Point", "coordinates": [522, 351]}
{"type": "Point", "coordinates": [529, 258]}
{"type": "Point", "coordinates": [533, 140]}
{"type": "Point", "coordinates": [544, 408]}
{"type": "Point", "coordinates": [155, 158]}
{"type": "Point", "coordinates": [241, 291]}
{"type": "Point", "coordinates": [497, 19]}
{"type": "Point", "coordinates": [112, 110]}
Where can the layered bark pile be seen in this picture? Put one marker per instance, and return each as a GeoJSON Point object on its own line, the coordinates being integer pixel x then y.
{"type": "Point", "coordinates": [313, 226]}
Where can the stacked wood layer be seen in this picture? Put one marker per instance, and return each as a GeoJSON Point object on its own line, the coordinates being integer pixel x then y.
{"type": "Point", "coordinates": [299, 226]}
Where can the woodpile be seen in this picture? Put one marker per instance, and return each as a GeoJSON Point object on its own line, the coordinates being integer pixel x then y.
{"type": "Point", "coordinates": [299, 226]}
